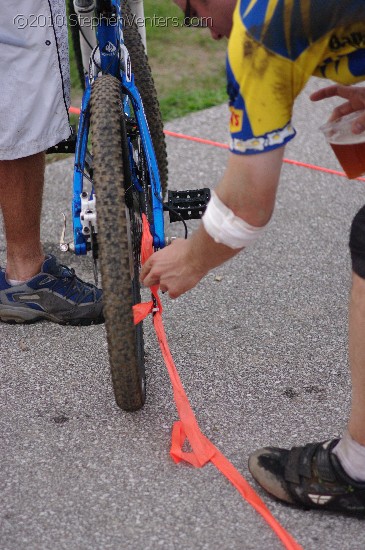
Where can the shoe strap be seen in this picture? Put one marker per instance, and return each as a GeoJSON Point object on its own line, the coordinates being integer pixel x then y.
{"type": "Point", "coordinates": [324, 465]}
{"type": "Point", "coordinates": [292, 466]}
{"type": "Point", "coordinates": [300, 463]}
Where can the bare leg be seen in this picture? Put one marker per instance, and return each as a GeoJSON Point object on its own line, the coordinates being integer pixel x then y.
{"type": "Point", "coordinates": [357, 359]}
{"type": "Point", "coordinates": [21, 189]}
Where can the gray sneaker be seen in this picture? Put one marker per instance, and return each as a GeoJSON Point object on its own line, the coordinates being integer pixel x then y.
{"type": "Point", "coordinates": [55, 294]}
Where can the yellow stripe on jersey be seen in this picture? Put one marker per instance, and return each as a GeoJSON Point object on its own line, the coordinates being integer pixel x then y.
{"type": "Point", "coordinates": [264, 83]}
{"type": "Point", "coordinates": [265, 80]}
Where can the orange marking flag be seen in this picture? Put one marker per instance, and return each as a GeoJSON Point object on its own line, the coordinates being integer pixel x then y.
{"type": "Point", "coordinates": [187, 428]}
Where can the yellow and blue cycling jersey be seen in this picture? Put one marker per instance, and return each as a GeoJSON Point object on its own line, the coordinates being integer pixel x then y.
{"type": "Point", "coordinates": [274, 48]}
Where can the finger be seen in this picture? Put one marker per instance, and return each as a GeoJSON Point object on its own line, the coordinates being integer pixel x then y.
{"type": "Point", "coordinates": [151, 280]}
{"type": "Point", "coordinates": [331, 91]}
{"type": "Point", "coordinates": [146, 268]}
{"type": "Point", "coordinates": [173, 294]}
{"type": "Point", "coordinates": [147, 276]}
{"type": "Point", "coordinates": [358, 126]}
{"type": "Point", "coordinates": [341, 110]}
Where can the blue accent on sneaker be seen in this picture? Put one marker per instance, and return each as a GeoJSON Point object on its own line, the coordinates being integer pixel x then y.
{"type": "Point", "coordinates": [56, 294]}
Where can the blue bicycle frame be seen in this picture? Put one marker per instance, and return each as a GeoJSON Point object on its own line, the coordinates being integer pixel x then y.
{"type": "Point", "coordinates": [113, 58]}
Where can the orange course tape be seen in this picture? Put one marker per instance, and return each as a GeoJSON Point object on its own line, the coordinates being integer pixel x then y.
{"type": "Point", "coordinates": [287, 161]}
{"type": "Point", "coordinates": [75, 110]}
{"type": "Point", "coordinates": [187, 428]}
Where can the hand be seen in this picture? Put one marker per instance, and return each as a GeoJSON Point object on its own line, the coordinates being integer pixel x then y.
{"type": "Point", "coordinates": [356, 101]}
{"type": "Point", "coordinates": [172, 268]}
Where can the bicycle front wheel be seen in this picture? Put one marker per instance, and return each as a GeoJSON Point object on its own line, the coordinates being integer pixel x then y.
{"type": "Point", "coordinates": [119, 238]}
{"type": "Point", "coordinates": [146, 87]}
{"type": "Point", "coordinates": [143, 77]}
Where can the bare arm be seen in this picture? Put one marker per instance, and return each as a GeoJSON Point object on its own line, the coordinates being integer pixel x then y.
{"type": "Point", "coordinates": [355, 96]}
{"type": "Point", "coordinates": [248, 187]}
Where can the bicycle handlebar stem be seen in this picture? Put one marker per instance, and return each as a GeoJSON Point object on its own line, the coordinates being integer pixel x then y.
{"type": "Point", "coordinates": [137, 9]}
{"type": "Point", "coordinates": [84, 10]}
{"type": "Point", "coordinates": [84, 5]}
{"type": "Point", "coordinates": [104, 6]}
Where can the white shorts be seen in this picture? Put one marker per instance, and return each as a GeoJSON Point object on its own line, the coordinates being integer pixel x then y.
{"type": "Point", "coordinates": [34, 77]}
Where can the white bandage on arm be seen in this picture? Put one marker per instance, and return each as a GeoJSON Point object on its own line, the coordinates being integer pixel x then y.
{"type": "Point", "coordinates": [226, 228]}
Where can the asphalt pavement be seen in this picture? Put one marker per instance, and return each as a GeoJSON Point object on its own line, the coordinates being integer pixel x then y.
{"type": "Point", "coordinates": [261, 347]}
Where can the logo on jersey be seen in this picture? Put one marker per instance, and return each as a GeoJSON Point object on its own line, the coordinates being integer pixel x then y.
{"type": "Point", "coordinates": [235, 124]}
{"type": "Point", "coordinates": [354, 39]}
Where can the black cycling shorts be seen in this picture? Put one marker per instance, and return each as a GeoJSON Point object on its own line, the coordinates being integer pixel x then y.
{"type": "Point", "coordinates": [357, 243]}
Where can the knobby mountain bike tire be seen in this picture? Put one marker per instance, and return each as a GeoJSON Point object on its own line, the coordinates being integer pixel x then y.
{"type": "Point", "coordinates": [146, 87]}
{"type": "Point", "coordinates": [144, 81]}
{"type": "Point", "coordinates": [119, 238]}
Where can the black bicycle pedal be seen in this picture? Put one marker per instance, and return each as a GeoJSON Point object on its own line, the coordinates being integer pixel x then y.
{"type": "Point", "coordinates": [188, 205]}
{"type": "Point", "coordinates": [65, 146]}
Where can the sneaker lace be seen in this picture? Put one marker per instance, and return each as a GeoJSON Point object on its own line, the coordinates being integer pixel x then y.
{"type": "Point", "coordinates": [75, 285]}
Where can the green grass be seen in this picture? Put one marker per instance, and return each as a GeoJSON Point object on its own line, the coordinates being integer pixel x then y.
{"type": "Point", "coordinates": [181, 103]}
{"type": "Point", "coordinates": [76, 90]}
{"type": "Point", "coordinates": [188, 67]}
